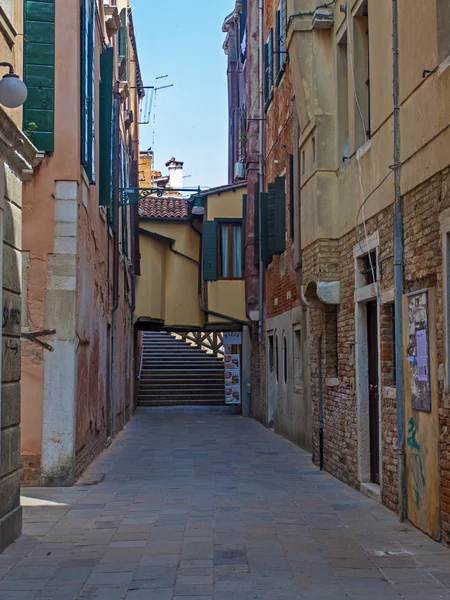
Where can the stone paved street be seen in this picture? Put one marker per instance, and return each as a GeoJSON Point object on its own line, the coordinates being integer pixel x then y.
{"type": "Point", "coordinates": [198, 504]}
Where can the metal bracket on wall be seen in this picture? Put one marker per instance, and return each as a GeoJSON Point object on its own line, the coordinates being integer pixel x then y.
{"type": "Point", "coordinates": [34, 336]}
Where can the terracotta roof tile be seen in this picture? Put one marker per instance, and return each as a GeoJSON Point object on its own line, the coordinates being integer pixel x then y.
{"type": "Point", "coordinates": [163, 208]}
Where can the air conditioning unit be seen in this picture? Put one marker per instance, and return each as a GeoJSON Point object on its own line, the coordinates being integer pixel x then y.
{"type": "Point", "coordinates": [239, 172]}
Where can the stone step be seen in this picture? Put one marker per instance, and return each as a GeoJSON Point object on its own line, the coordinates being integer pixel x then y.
{"type": "Point", "coordinates": [184, 402]}
{"type": "Point", "coordinates": [190, 389]}
{"type": "Point", "coordinates": [180, 397]}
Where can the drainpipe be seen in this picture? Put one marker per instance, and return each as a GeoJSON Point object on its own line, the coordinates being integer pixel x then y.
{"type": "Point", "coordinates": [115, 303]}
{"type": "Point", "coordinates": [261, 166]}
{"type": "Point", "coordinates": [320, 394]}
{"type": "Point", "coordinates": [398, 275]}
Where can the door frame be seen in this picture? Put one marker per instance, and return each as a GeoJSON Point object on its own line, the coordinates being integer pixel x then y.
{"type": "Point", "coordinates": [363, 295]}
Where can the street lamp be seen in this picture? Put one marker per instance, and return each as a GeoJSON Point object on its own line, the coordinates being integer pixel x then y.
{"type": "Point", "coordinates": [13, 91]}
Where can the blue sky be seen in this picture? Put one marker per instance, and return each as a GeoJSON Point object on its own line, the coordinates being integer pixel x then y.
{"type": "Point", "coordinates": [183, 39]}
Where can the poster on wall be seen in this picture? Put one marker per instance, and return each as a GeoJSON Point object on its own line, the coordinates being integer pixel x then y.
{"type": "Point", "coordinates": [418, 351]}
{"type": "Point", "coordinates": [232, 379]}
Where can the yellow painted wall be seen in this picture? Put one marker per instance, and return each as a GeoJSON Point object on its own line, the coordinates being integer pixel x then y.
{"type": "Point", "coordinates": [331, 194]}
{"type": "Point", "coordinates": [177, 283]}
{"type": "Point", "coordinates": [227, 205]}
{"type": "Point", "coordinates": [150, 287]}
{"type": "Point", "coordinates": [228, 298]}
{"type": "Point", "coordinates": [168, 286]}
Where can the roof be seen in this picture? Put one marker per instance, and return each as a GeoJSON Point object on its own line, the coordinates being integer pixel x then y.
{"type": "Point", "coordinates": [163, 208]}
{"type": "Point", "coordinates": [224, 188]}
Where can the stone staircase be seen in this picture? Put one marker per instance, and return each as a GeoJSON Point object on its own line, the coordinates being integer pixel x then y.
{"type": "Point", "coordinates": [176, 373]}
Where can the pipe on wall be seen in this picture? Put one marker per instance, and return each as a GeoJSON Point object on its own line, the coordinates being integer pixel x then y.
{"type": "Point", "coordinates": [261, 168]}
{"type": "Point", "coordinates": [398, 274]}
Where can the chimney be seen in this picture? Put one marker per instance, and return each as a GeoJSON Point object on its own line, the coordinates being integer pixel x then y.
{"type": "Point", "coordinates": [175, 173]}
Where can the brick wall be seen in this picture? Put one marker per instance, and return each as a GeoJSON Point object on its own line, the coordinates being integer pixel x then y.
{"type": "Point", "coordinates": [423, 268]}
{"type": "Point", "coordinates": [258, 403]}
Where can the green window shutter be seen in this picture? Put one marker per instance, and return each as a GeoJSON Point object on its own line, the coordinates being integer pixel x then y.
{"type": "Point", "coordinates": [123, 40]}
{"type": "Point", "coordinates": [277, 216]}
{"type": "Point", "coordinates": [244, 227]}
{"type": "Point", "coordinates": [39, 73]}
{"type": "Point", "coordinates": [106, 125]}
{"type": "Point", "coordinates": [92, 34]}
{"type": "Point", "coordinates": [88, 14]}
{"type": "Point", "coordinates": [278, 54]}
{"type": "Point", "coordinates": [209, 249]}
{"type": "Point", "coordinates": [256, 224]}
{"type": "Point", "coordinates": [84, 60]}
{"type": "Point", "coordinates": [266, 255]}
{"type": "Point", "coordinates": [270, 59]}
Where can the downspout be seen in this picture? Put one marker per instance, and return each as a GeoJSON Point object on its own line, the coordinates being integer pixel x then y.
{"type": "Point", "coordinates": [261, 167]}
{"type": "Point", "coordinates": [115, 303]}
{"type": "Point", "coordinates": [398, 275]}
{"type": "Point", "coordinates": [320, 395]}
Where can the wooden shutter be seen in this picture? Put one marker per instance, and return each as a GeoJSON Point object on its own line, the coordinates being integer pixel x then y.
{"type": "Point", "coordinates": [265, 220]}
{"type": "Point", "coordinates": [39, 73]}
{"type": "Point", "coordinates": [106, 125]}
{"type": "Point", "coordinates": [278, 48]}
{"type": "Point", "coordinates": [85, 20]}
{"type": "Point", "coordinates": [209, 249]}
{"type": "Point", "coordinates": [270, 60]}
{"type": "Point", "coordinates": [88, 35]}
{"type": "Point", "coordinates": [277, 216]}
{"type": "Point", "coordinates": [256, 223]}
{"type": "Point", "coordinates": [92, 36]}
{"type": "Point", "coordinates": [244, 227]}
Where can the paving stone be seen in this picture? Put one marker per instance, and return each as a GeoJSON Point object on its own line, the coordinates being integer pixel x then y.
{"type": "Point", "coordinates": [196, 504]}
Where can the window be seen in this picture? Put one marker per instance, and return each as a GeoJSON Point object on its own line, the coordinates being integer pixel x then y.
{"type": "Point", "coordinates": [314, 150]}
{"type": "Point", "coordinates": [276, 358]}
{"type": "Point", "coordinates": [303, 162]}
{"type": "Point", "coordinates": [124, 183]}
{"type": "Point", "coordinates": [443, 23]}
{"type": "Point", "coordinates": [269, 70]}
{"type": "Point", "coordinates": [230, 263]}
{"type": "Point", "coordinates": [285, 360]}
{"type": "Point", "coordinates": [342, 90]}
{"type": "Point", "coordinates": [279, 40]}
{"type": "Point", "coordinates": [39, 73]}
{"type": "Point", "coordinates": [88, 12]}
{"type": "Point", "coordinates": [370, 267]}
{"type": "Point", "coordinates": [291, 196]}
{"type": "Point", "coordinates": [362, 74]}
{"type": "Point", "coordinates": [298, 357]}
{"type": "Point", "coordinates": [271, 358]}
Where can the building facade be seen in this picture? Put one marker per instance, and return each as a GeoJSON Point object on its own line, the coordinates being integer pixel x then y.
{"type": "Point", "coordinates": [358, 159]}
{"type": "Point", "coordinates": [356, 154]}
{"type": "Point", "coordinates": [79, 241]}
{"type": "Point", "coordinates": [18, 158]}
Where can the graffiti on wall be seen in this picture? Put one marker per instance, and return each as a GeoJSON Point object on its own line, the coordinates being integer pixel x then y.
{"type": "Point", "coordinates": [416, 464]}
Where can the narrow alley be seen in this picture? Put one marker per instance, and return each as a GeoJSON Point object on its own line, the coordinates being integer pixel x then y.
{"type": "Point", "coordinates": [196, 503]}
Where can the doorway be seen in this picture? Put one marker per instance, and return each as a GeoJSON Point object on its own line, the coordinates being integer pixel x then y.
{"type": "Point", "coordinates": [374, 408]}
